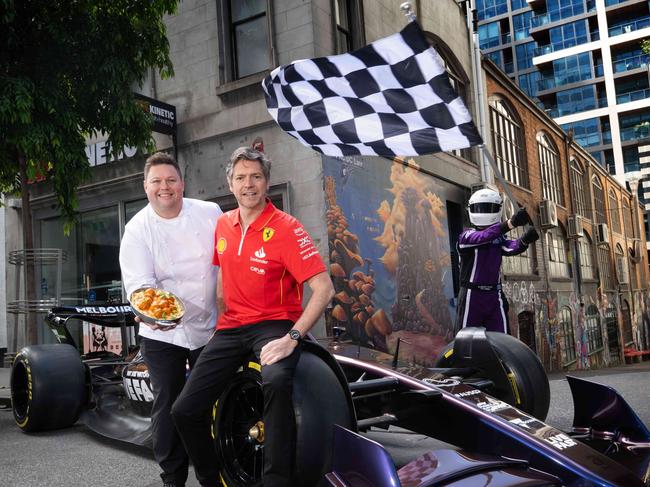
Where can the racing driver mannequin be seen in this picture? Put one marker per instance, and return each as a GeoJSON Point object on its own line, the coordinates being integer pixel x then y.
{"type": "Point", "coordinates": [480, 300]}
{"type": "Point", "coordinates": [168, 245]}
{"type": "Point", "coordinates": [264, 256]}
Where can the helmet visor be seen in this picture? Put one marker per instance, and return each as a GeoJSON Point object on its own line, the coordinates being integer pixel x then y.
{"type": "Point", "coordinates": [485, 207]}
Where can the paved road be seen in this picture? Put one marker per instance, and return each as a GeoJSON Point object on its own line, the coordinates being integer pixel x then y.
{"type": "Point", "coordinates": [76, 457]}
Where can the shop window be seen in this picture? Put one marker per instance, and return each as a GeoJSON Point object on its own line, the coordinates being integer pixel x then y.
{"type": "Point", "coordinates": [245, 44]}
{"type": "Point", "coordinates": [613, 212]}
{"type": "Point", "coordinates": [549, 162]}
{"type": "Point", "coordinates": [348, 17]}
{"type": "Point", "coordinates": [593, 328]}
{"type": "Point", "coordinates": [568, 336]}
{"type": "Point", "coordinates": [578, 187]}
{"type": "Point", "coordinates": [507, 140]}
{"type": "Point", "coordinates": [599, 200]}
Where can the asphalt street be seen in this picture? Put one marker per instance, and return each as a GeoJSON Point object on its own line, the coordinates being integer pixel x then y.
{"type": "Point", "coordinates": [76, 457]}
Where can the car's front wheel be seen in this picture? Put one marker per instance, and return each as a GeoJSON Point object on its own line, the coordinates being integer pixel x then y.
{"type": "Point", "coordinates": [48, 387]}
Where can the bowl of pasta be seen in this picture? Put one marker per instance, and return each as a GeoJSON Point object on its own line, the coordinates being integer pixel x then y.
{"type": "Point", "coordinates": [157, 306]}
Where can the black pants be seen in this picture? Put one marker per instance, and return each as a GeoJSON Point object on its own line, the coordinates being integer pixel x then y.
{"type": "Point", "coordinates": [217, 365]}
{"type": "Point", "coordinates": [167, 370]}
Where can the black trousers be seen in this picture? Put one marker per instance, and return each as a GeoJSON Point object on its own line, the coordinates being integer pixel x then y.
{"type": "Point", "coordinates": [167, 370]}
{"type": "Point", "coordinates": [217, 365]}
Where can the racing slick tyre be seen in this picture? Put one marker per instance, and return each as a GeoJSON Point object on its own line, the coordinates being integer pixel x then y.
{"type": "Point", "coordinates": [526, 374]}
{"type": "Point", "coordinates": [48, 387]}
{"type": "Point", "coordinates": [237, 426]}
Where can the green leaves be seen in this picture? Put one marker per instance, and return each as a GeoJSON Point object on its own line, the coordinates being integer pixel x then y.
{"type": "Point", "coordinates": [67, 68]}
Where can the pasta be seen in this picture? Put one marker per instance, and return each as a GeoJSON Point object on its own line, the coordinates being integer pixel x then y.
{"type": "Point", "coordinates": [157, 304]}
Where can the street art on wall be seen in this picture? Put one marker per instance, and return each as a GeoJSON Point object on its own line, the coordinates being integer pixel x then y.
{"type": "Point", "coordinates": [389, 254]}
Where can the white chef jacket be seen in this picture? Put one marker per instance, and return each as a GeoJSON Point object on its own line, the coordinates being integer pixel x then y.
{"type": "Point", "coordinates": [175, 254]}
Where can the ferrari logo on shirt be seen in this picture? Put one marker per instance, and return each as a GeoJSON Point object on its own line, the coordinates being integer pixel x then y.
{"type": "Point", "coordinates": [221, 245]}
{"type": "Point", "coordinates": [267, 234]}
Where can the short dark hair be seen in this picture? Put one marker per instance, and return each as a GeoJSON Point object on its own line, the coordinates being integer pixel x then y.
{"type": "Point", "coordinates": [246, 153]}
{"type": "Point", "coordinates": [158, 159]}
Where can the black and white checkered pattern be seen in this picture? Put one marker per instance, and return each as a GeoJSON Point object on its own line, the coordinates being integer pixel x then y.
{"type": "Point", "coordinates": [390, 98]}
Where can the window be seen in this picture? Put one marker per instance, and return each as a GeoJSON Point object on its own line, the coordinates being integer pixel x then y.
{"type": "Point", "coordinates": [529, 83]}
{"type": "Point", "coordinates": [576, 100]}
{"type": "Point", "coordinates": [525, 54]}
{"type": "Point", "coordinates": [587, 133]}
{"type": "Point", "coordinates": [568, 336]}
{"type": "Point", "coordinates": [522, 264]}
{"type": "Point", "coordinates": [571, 69]}
{"type": "Point", "coordinates": [348, 17]}
{"type": "Point", "coordinates": [594, 331]}
{"type": "Point", "coordinates": [557, 246]}
{"type": "Point", "coordinates": [613, 212]}
{"type": "Point", "coordinates": [605, 269]}
{"type": "Point", "coordinates": [245, 41]}
{"type": "Point", "coordinates": [586, 258]}
{"type": "Point", "coordinates": [599, 201]}
{"type": "Point", "coordinates": [622, 274]}
{"type": "Point", "coordinates": [627, 323]}
{"type": "Point", "coordinates": [521, 25]}
{"type": "Point", "coordinates": [578, 187]}
{"type": "Point", "coordinates": [550, 167]}
{"type": "Point", "coordinates": [627, 219]}
{"type": "Point", "coordinates": [507, 139]}
{"type": "Point", "coordinates": [491, 8]}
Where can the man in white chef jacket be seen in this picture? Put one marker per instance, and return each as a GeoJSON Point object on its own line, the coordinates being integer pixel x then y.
{"type": "Point", "coordinates": [169, 245]}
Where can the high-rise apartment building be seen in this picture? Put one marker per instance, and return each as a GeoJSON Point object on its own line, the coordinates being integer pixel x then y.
{"type": "Point", "coordinates": [581, 60]}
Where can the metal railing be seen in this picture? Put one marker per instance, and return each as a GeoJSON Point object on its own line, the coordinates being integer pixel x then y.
{"type": "Point", "coordinates": [632, 62]}
{"type": "Point", "coordinates": [633, 96]}
{"type": "Point", "coordinates": [629, 27]}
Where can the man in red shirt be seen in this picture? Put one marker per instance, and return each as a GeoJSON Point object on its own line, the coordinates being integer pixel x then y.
{"type": "Point", "coordinates": [264, 256]}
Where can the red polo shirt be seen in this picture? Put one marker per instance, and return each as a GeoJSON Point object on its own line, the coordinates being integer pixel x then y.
{"type": "Point", "coordinates": [263, 269]}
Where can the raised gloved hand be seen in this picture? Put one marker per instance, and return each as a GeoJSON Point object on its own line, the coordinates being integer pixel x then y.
{"type": "Point", "coordinates": [529, 236]}
{"type": "Point", "coordinates": [520, 218]}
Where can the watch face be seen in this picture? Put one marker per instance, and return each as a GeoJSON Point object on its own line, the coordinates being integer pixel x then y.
{"type": "Point", "coordinates": [294, 334]}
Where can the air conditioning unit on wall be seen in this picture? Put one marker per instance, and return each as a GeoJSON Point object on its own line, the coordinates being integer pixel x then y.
{"type": "Point", "coordinates": [547, 214]}
{"type": "Point", "coordinates": [574, 227]}
{"type": "Point", "coordinates": [602, 233]}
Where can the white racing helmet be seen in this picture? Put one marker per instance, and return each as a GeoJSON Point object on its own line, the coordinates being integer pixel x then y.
{"type": "Point", "coordinates": [485, 208]}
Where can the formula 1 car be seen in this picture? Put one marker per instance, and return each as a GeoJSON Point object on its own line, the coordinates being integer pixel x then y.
{"type": "Point", "coordinates": [487, 399]}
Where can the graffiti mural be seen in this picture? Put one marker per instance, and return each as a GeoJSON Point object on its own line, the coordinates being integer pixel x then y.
{"type": "Point", "coordinates": [389, 253]}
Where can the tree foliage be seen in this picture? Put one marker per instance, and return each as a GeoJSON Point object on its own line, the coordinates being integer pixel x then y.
{"type": "Point", "coordinates": [68, 69]}
{"type": "Point", "coordinates": [645, 46]}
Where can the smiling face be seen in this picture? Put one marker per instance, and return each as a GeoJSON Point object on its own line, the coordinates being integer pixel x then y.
{"type": "Point", "coordinates": [164, 188]}
{"type": "Point", "coordinates": [249, 185]}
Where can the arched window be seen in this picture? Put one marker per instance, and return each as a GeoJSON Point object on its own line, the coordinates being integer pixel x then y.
{"type": "Point", "coordinates": [594, 330]}
{"type": "Point", "coordinates": [586, 258]}
{"type": "Point", "coordinates": [457, 76]}
{"type": "Point", "coordinates": [627, 219]}
{"type": "Point", "coordinates": [599, 200]}
{"type": "Point", "coordinates": [568, 335]}
{"type": "Point", "coordinates": [524, 263]}
{"type": "Point", "coordinates": [613, 211]}
{"type": "Point", "coordinates": [549, 162]}
{"type": "Point", "coordinates": [558, 248]}
{"type": "Point", "coordinates": [508, 142]}
{"type": "Point", "coordinates": [578, 187]}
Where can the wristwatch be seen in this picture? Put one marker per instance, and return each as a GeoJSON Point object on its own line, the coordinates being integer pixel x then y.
{"type": "Point", "coordinates": [295, 335]}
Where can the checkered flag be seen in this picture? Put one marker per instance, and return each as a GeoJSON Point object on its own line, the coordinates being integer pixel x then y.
{"type": "Point", "coordinates": [390, 98]}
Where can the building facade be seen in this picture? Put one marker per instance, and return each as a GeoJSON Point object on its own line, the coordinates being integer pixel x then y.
{"type": "Point", "coordinates": [581, 60]}
{"type": "Point", "coordinates": [580, 296]}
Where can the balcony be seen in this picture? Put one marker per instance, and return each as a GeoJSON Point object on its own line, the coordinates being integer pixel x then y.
{"type": "Point", "coordinates": [549, 16]}
{"type": "Point", "coordinates": [632, 96]}
{"type": "Point", "coordinates": [640, 131]}
{"type": "Point", "coordinates": [629, 27]}
{"type": "Point", "coordinates": [558, 46]}
{"type": "Point", "coordinates": [629, 63]}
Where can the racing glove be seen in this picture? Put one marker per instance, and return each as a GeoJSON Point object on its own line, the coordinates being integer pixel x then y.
{"type": "Point", "coordinates": [529, 236]}
{"type": "Point", "coordinates": [520, 218]}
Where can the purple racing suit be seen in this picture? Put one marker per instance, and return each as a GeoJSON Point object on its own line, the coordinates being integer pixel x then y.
{"type": "Point", "coordinates": [480, 300]}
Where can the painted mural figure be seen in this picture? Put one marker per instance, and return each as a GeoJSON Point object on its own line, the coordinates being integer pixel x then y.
{"type": "Point", "coordinates": [481, 302]}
